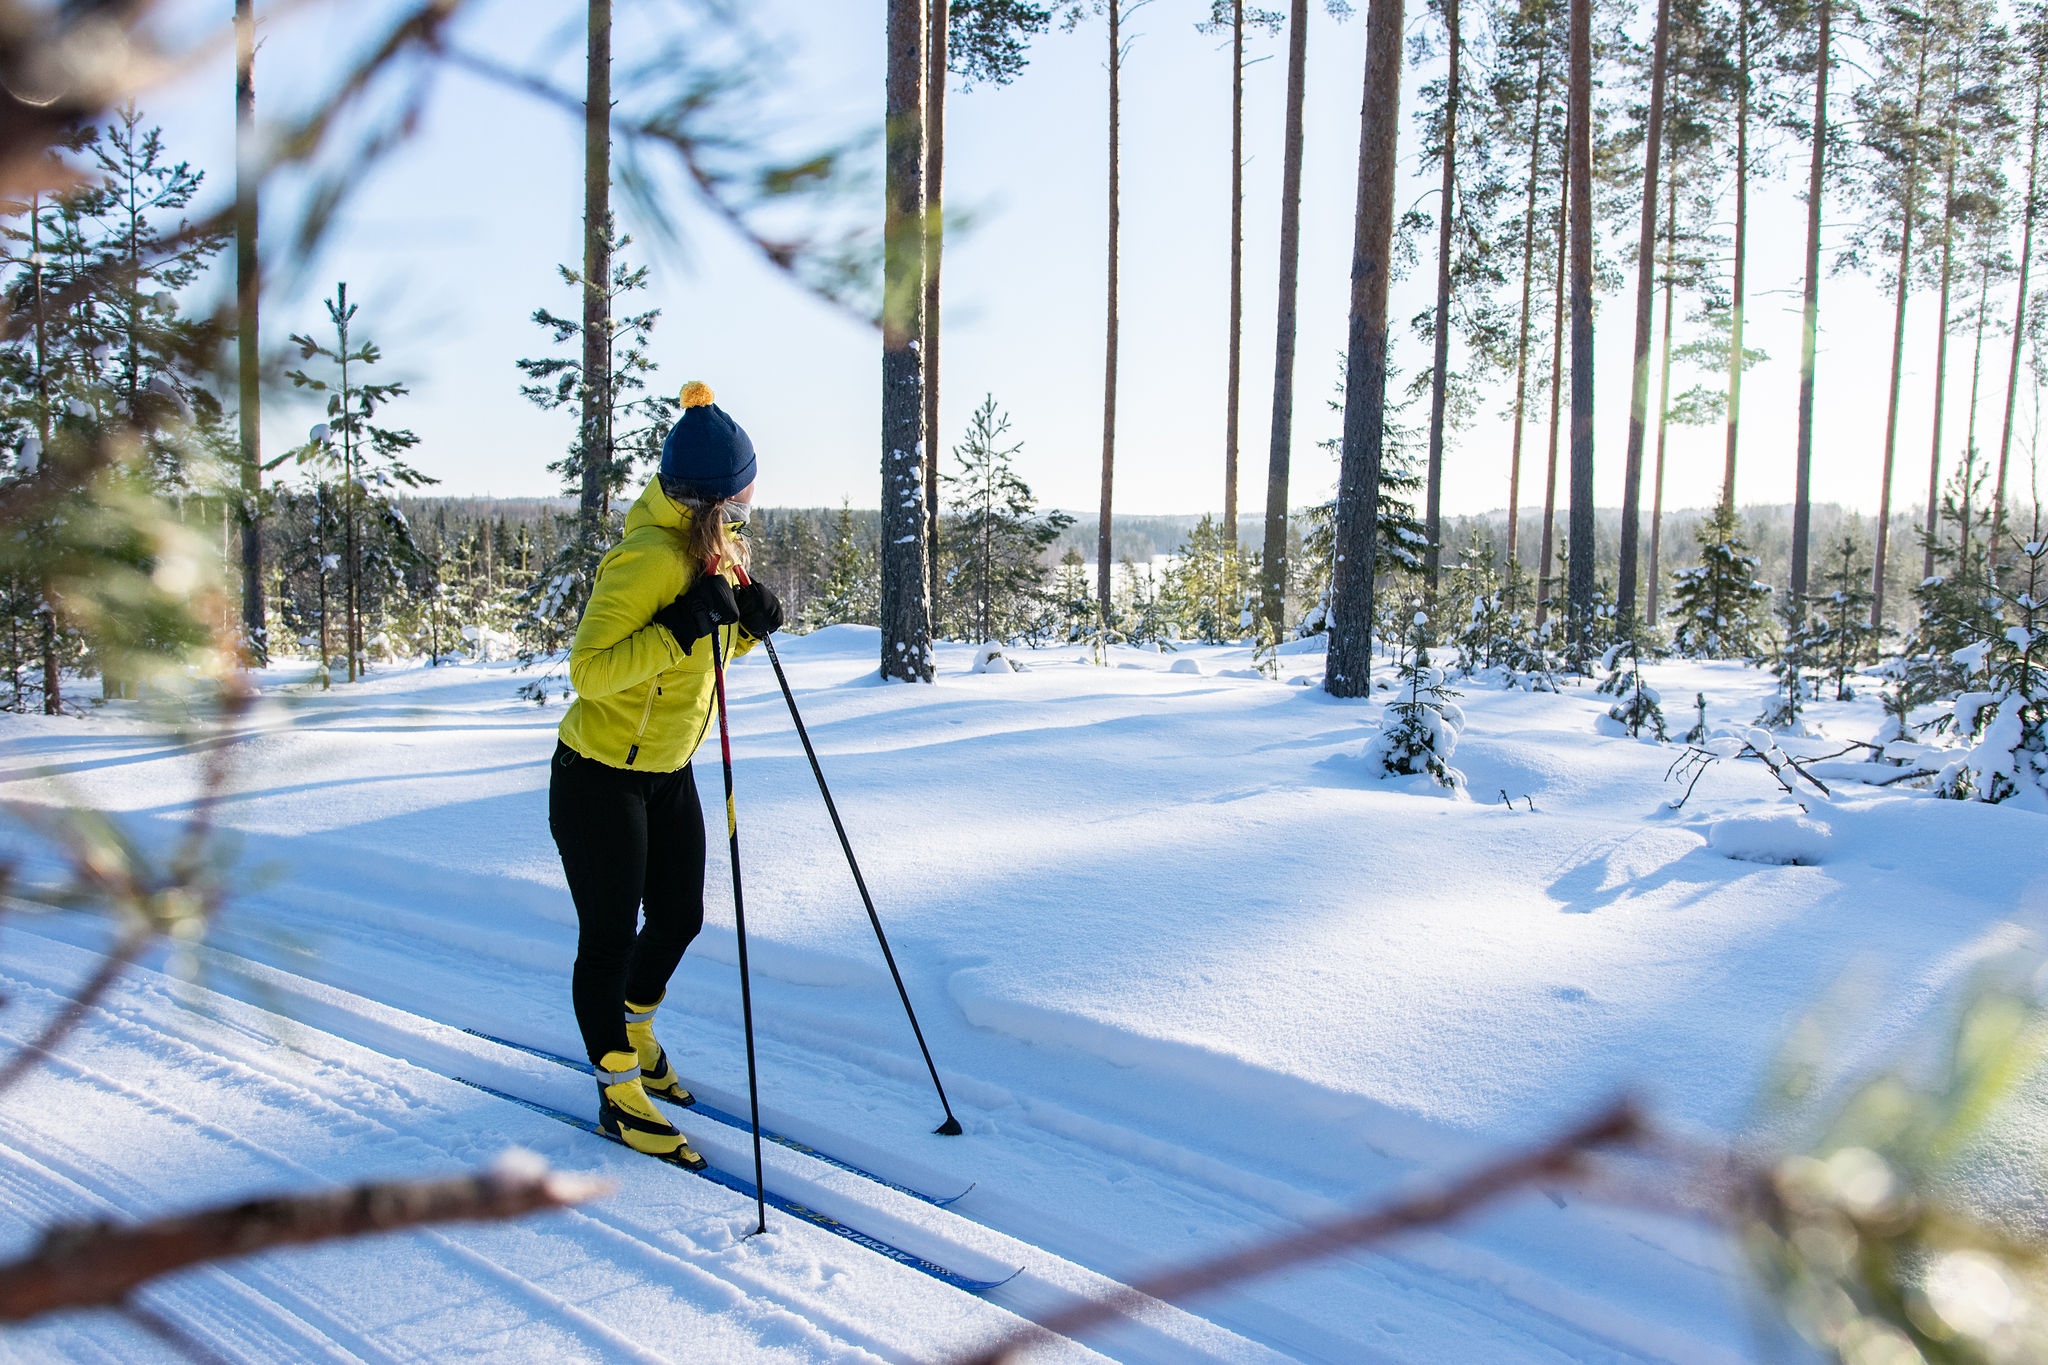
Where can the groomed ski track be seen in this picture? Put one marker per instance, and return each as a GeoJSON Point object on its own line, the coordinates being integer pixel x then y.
{"type": "Point", "coordinates": [417, 898]}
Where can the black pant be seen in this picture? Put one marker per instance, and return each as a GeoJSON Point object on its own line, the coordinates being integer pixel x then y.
{"type": "Point", "coordinates": [629, 841]}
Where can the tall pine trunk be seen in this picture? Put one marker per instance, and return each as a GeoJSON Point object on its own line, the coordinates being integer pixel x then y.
{"type": "Point", "coordinates": [1646, 302]}
{"type": "Point", "coordinates": [905, 607]}
{"type": "Point", "coordinates": [1528, 284]}
{"type": "Point", "coordinates": [1948, 242]}
{"type": "Point", "coordinates": [1348, 672]}
{"type": "Point", "coordinates": [1103, 565]}
{"type": "Point", "coordinates": [936, 62]}
{"type": "Point", "coordinates": [1970, 429]}
{"type": "Point", "coordinates": [1557, 297]}
{"type": "Point", "coordinates": [2019, 317]}
{"type": "Point", "coordinates": [1235, 378]}
{"type": "Point", "coordinates": [1581, 567]}
{"type": "Point", "coordinates": [1891, 414]}
{"type": "Point", "coordinates": [248, 294]}
{"type": "Point", "coordinates": [1809, 333]}
{"type": "Point", "coordinates": [53, 692]}
{"type": "Point", "coordinates": [597, 269]}
{"type": "Point", "coordinates": [1736, 297]}
{"type": "Point", "coordinates": [1273, 565]}
{"type": "Point", "coordinates": [1440, 372]}
{"type": "Point", "coordinates": [1663, 393]}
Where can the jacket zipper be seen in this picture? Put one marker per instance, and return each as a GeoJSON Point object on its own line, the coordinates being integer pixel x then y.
{"type": "Point", "coordinates": [646, 711]}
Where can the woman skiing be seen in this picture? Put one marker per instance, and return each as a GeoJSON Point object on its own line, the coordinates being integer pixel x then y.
{"type": "Point", "coordinates": [622, 799]}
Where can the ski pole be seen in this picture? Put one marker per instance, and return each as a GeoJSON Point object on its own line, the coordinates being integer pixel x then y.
{"type": "Point", "coordinates": [951, 1127]}
{"type": "Point", "coordinates": [739, 915]}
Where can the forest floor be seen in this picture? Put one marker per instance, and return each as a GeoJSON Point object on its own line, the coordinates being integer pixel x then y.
{"type": "Point", "coordinates": [1192, 974]}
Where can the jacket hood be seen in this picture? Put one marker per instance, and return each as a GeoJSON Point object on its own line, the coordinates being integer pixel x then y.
{"type": "Point", "coordinates": [656, 508]}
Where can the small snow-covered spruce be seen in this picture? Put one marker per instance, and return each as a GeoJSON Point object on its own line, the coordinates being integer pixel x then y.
{"type": "Point", "coordinates": [1420, 731]}
{"type": "Point", "coordinates": [1842, 638]}
{"type": "Point", "coordinates": [995, 540]}
{"type": "Point", "coordinates": [1698, 733]}
{"type": "Point", "coordinates": [1474, 588]}
{"type": "Point", "coordinates": [1638, 706]}
{"type": "Point", "coordinates": [2008, 718]}
{"type": "Point", "coordinates": [1784, 707]}
{"type": "Point", "coordinates": [1957, 604]}
{"type": "Point", "coordinates": [1721, 610]}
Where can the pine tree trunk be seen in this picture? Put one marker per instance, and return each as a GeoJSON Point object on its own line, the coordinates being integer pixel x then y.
{"type": "Point", "coordinates": [1891, 415]}
{"type": "Point", "coordinates": [1557, 297]}
{"type": "Point", "coordinates": [1103, 565]}
{"type": "Point", "coordinates": [248, 295]}
{"type": "Point", "coordinates": [53, 699]}
{"type": "Point", "coordinates": [1234, 379]}
{"type": "Point", "coordinates": [1646, 303]}
{"type": "Point", "coordinates": [1663, 394]}
{"type": "Point", "coordinates": [1809, 336]}
{"type": "Point", "coordinates": [597, 269]}
{"type": "Point", "coordinates": [1970, 430]}
{"type": "Point", "coordinates": [1948, 242]}
{"type": "Point", "coordinates": [1528, 283]}
{"type": "Point", "coordinates": [1348, 672]}
{"type": "Point", "coordinates": [1440, 372]}
{"type": "Point", "coordinates": [936, 62]}
{"type": "Point", "coordinates": [1581, 567]}
{"type": "Point", "coordinates": [1741, 249]}
{"type": "Point", "coordinates": [905, 608]}
{"type": "Point", "coordinates": [1273, 566]}
{"type": "Point", "coordinates": [2019, 316]}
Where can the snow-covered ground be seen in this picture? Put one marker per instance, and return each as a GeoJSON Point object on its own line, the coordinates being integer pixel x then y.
{"type": "Point", "coordinates": [1191, 973]}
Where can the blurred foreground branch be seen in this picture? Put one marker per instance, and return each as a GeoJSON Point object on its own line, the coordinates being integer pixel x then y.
{"type": "Point", "coordinates": [89, 1265]}
{"type": "Point", "coordinates": [1563, 1157]}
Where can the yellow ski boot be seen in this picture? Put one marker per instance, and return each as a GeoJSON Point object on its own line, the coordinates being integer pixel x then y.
{"type": "Point", "coordinates": [657, 1077]}
{"type": "Point", "coordinates": [624, 1112]}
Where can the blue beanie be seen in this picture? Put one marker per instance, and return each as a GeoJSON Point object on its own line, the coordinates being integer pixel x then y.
{"type": "Point", "coordinates": [706, 454]}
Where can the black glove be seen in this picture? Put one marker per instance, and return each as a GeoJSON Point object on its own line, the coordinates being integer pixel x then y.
{"type": "Point", "coordinates": [705, 607]}
{"type": "Point", "coordinates": [760, 612]}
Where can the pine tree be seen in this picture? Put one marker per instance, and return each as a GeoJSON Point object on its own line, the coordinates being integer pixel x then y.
{"type": "Point", "coordinates": [1720, 607]}
{"type": "Point", "coordinates": [1206, 588]}
{"type": "Point", "coordinates": [998, 537]}
{"type": "Point", "coordinates": [620, 431]}
{"type": "Point", "coordinates": [905, 607]}
{"type": "Point", "coordinates": [368, 457]}
{"type": "Point", "coordinates": [848, 595]}
{"type": "Point", "coordinates": [1783, 709]}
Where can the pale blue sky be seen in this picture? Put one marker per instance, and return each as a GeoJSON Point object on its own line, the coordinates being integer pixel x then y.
{"type": "Point", "coordinates": [453, 242]}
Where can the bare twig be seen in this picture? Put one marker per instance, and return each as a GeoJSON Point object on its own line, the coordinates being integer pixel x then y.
{"type": "Point", "coordinates": [1561, 1158]}
{"type": "Point", "coordinates": [170, 1333]}
{"type": "Point", "coordinates": [39, 1048]}
{"type": "Point", "coordinates": [87, 1265]}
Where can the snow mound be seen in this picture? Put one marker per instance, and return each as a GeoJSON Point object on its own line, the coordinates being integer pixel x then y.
{"type": "Point", "coordinates": [1186, 665]}
{"type": "Point", "coordinates": [1782, 840]}
{"type": "Point", "coordinates": [991, 659]}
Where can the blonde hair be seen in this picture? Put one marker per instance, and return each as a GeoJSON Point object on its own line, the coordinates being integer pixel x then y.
{"type": "Point", "coordinates": [711, 538]}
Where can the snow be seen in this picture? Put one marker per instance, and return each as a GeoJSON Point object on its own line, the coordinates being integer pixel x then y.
{"type": "Point", "coordinates": [1192, 974]}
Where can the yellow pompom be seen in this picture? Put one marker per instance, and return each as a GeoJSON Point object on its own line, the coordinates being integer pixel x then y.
{"type": "Point", "coordinates": [696, 394]}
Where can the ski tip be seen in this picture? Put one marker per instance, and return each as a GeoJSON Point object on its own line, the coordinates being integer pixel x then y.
{"type": "Point", "coordinates": [950, 1128]}
{"type": "Point", "coordinates": [953, 1199]}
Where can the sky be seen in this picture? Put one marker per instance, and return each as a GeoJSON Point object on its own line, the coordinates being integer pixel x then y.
{"type": "Point", "coordinates": [450, 244]}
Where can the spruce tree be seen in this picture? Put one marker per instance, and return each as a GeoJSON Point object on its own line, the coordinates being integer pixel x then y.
{"type": "Point", "coordinates": [1843, 638]}
{"type": "Point", "coordinates": [1720, 609]}
{"type": "Point", "coordinates": [1419, 733]}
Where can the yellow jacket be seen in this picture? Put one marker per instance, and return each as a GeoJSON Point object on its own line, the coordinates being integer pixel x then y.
{"type": "Point", "coordinates": [642, 700]}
